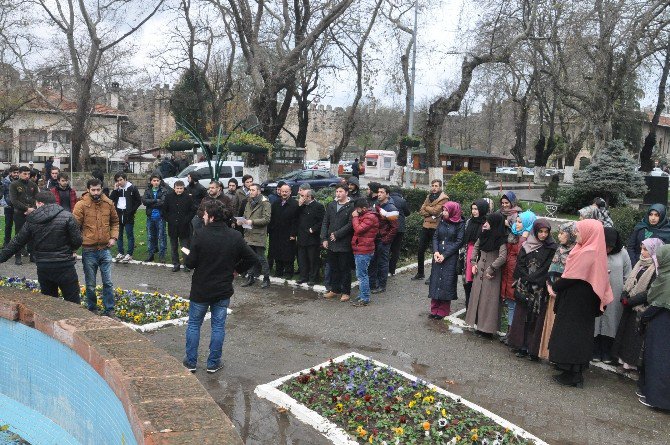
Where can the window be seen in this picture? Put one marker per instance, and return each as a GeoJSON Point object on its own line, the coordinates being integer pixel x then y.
{"type": "Point", "coordinates": [62, 136]}
{"type": "Point", "coordinates": [305, 175]}
{"type": "Point", "coordinates": [321, 174]}
{"type": "Point", "coordinates": [28, 140]}
{"type": "Point", "coordinates": [387, 162]}
{"type": "Point", "coordinates": [204, 173]}
{"type": "Point", "coordinates": [5, 144]}
{"type": "Point", "coordinates": [371, 162]}
{"type": "Point", "coordinates": [239, 171]}
{"type": "Point", "coordinates": [225, 171]}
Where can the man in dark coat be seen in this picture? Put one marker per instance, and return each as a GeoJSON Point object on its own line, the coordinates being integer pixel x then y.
{"type": "Point", "coordinates": [167, 168]}
{"type": "Point", "coordinates": [401, 204]}
{"type": "Point", "coordinates": [65, 195]}
{"type": "Point", "coordinates": [55, 237]}
{"type": "Point", "coordinates": [127, 200]}
{"type": "Point", "coordinates": [388, 227]}
{"type": "Point", "coordinates": [354, 188]}
{"type": "Point", "coordinates": [154, 200]}
{"type": "Point", "coordinates": [336, 232]}
{"type": "Point", "coordinates": [194, 189]}
{"type": "Point", "coordinates": [22, 195]}
{"type": "Point", "coordinates": [216, 252]}
{"type": "Point", "coordinates": [276, 195]}
{"type": "Point", "coordinates": [355, 169]}
{"type": "Point", "coordinates": [179, 211]}
{"type": "Point", "coordinates": [282, 230]}
{"type": "Point", "coordinates": [310, 218]}
{"type": "Point", "coordinates": [9, 209]}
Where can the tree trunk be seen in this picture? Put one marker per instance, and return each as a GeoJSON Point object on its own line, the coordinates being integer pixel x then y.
{"type": "Point", "coordinates": [646, 162]}
{"type": "Point", "coordinates": [80, 155]}
{"type": "Point", "coordinates": [520, 114]}
{"type": "Point", "coordinates": [303, 121]}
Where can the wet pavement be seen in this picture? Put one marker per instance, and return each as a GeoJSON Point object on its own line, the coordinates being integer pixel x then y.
{"type": "Point", "coordinates": [280, 331]}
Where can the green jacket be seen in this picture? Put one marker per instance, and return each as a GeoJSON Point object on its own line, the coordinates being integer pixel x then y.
{"type": "Point", "coordinates": [260, 217]}
{"type": "Point", "coordinates": [22, 194]}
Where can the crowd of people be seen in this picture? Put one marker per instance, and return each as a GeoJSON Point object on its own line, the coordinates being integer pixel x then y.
{"type": "Point", "coordinates": [570, 299]}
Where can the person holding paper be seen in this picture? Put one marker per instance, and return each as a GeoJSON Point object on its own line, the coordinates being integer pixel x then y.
{"type": "Point", "coordinates": [257, 214]}
{"type": "Point", "coordinates": [388, 227]}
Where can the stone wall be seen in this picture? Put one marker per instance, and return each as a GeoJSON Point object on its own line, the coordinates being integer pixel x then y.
{"type": "Point", "coordinates": [164, 403]}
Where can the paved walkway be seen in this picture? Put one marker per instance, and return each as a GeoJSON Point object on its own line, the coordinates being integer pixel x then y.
{"type": "Point", "coordinates": [277, 332]}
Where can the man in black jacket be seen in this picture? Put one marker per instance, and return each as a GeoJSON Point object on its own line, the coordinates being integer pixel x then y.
{"type": "Point", "coordinates": [55, 236]}
{"type": "Point", "coordinates": [22, 195]}
{"type": "Point", "coordinates": [127, 200]}
{"type": "Point", "coordinates": [310, 218]}
{"type": "Point", "coordinates": [282, 231]}
{"type": "Point", "coordinates": [216, 252]}
{"type": "Point", "coordinates": [194, 189]}
{"type": "Point", "coordinates": [179, 211]}
{"type": "Point", "coordinates": [401, 204]}
{"type": "Point", "coordinates": [336, 232]}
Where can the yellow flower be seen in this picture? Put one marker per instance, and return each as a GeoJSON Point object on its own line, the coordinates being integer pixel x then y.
{"type": "Point", "coordinates": [339, 407]}
{"type": "Point", "coordinates": [370, 439]}
{"type": "Point", "coordinates": [428, 399]}
{"type": "Point", "coordinates": [474, 430]}
{"type": "Point", "coordinates": [411, 403]}
{"type": "Point", "coordinates": [458, 438]}
{"type": "Point", "coordinates": [444, 412]}
{"type": "Point", "coordinates": [358, 402]}
{"type": "Point", "coordinates": [418, 395]}
{"type": "Point", "coordinates": [398, 431]}
{"type": "Point", "coordinates": [361, 431]}
{"type": "Point", "coordinates": [428, 412]}
{"type": "Point", "coordinates": [474, 437]}
{"type": "Point", "coordinates": [137, 318]}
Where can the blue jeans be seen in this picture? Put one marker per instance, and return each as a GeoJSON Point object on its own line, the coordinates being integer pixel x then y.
{"type": "Point", "coordinates": [196, 315]}
{"type": "Point", "coordinates": [379, 266]}
{"type": "Point", "coordinates": [92, 260]}
{"type": "Point", "coordinates": [362, 263]}
{"type": "Point", "coordinates": [511, 304]}
{"type": "Point", "coordinates": [156, 232]}
{"type": "Point", "coordinates": [130, 233]}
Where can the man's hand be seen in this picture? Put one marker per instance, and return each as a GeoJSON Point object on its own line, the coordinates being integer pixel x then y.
{"type": "Point", "coordinates": [29, 211]}
{"type": "Point", "coordinates": [325, 244]}
{"type": "Point", "coordinates": [332, 236]}
{"type": "Point", "coordinates": [111, 242]}
{"type": "Point", "coordinates": [474, 269]}
{"type": "Point", "coordinates": [291, 238]}
{"type": "Point", "coordinates": [354, 213]}
{"type": "Point", "coordinates": [301, 200]}
{"type": "Point", "coordinates": [249, 222]}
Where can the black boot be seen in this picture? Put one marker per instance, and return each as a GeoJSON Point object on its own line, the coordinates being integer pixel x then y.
{"type": "Point", "coordinates": [569, 378]}
{"type": "Point", "coordinates": [18, 260]}
{"type": "Point", "coordinates": [250, 281]}
{"type": "Point", "coordinates": [150, 259]}
{"type": "Point", "coordinates": [266, 282]}
{"type": "Point", "coordinates": [175, 268]}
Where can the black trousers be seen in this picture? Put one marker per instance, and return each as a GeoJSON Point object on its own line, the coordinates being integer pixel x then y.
{"type": "Point", "coordinates": [395, 251]}
{"type": "Point", "coordinates": [9, 222]}
{"type": "Point", "coordinates": [467, 287]}
{"type": "Point", "coordinates": [174, 246]}
{"type": "Point", "coordinates": [285, 267]}
{"type": "Point", "coordinates": [424, 241]}
{"type": "Point", "coordinates": [340, 272]}
{"type": "Point", "coordinates": [19, 221]}
{"type": "Point", "coordinates": [61, 277]}
{"type": "Point", "coordinates": [308, 263]}
{"type": "Point", "coordinates": [262, 267]}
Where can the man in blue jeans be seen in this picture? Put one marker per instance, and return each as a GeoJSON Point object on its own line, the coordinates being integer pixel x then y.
{"type": "Point", "coordinates": [388, 227]}
{"type": "Point", "coordinates": [366, 225]}
{"type": "Point", "coordinates": [154, 201]}
{"type": "Point", "coordinates": [216, 251]}
{"type": "Point", "coordinates": [127, 199]}
{"type": "Point", "coordinates": [99, 223]}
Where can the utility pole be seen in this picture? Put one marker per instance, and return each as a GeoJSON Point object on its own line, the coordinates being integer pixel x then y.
{"type": "Point", "coordinates": [410, 120]}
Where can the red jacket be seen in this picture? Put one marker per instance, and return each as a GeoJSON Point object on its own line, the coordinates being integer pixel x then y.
{"type": "Point", "coordinates": [388, 227]}
{"type": "Point", "coordinates": [73, 196]}
{"type": "Point", "coordinates": [366, 226]}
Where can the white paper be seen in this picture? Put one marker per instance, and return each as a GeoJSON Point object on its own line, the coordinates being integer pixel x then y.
{"type": "Point", "coordinates": [240, 220]}
{"type": "Point", "coordinates": [186, 251]}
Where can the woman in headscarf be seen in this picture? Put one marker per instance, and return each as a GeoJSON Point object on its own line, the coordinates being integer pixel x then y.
{"type": "Point", "coordinates": [566, 240]}
{"type": "Point", "coordinates": [583, 291]}
{"type": "Point", "coordinates": [473, 228]}
{"type": "Point", "coordinates": [489, 255]}
{"type": "Point", "coordinates": [654, 225]}
{"type": "Point", "coordinates": [603, 214]}
{"type": "Point", "coordinates": [618, 264]}
{"type": "Point", "coordinates": [447, 240]}
{"type": "Point", "coordinates": [627, 347]}
{"type": "Point", "coordinates": [531, 271]}
{"type": "Point", "coordinates": [520, 229]}
{"type": "Point", "coordinates": [654, 381]}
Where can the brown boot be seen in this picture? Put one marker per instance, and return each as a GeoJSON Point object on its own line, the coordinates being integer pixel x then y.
{"type": "Point", "coordinates": [344, 297]}
{"type": "Point", "coordinates": [330, 294]}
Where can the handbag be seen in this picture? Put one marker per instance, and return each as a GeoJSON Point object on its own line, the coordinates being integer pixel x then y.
{"type": "Point", "coordinates": [522, 293]}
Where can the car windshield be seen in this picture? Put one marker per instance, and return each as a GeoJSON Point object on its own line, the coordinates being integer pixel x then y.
{"type": "Point", "coordinates": [184, 173]}
{"type": "Point", "coordinates": [291, 175]}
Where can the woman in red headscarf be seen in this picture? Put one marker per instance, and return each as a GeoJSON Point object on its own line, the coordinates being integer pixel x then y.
{"type": "Point", "coordinates": [447, 240]}
{"type": "Point", "coordinates": [583, 291]}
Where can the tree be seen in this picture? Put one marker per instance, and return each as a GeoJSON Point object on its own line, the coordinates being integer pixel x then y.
{"type": "Point", "coordinates": [646, 162]}
{"type": "Point", "coordinates": [191, 103]}
{"type": "Point", "coordinates": [611, 174]}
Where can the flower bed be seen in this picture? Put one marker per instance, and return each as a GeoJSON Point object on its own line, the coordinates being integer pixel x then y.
{"type": "Point", "coordinates": [140, 310]}
{"type": "Point", "coordinates": [363, 401]}
{"type": "Point", "coordinates": [7, 436]}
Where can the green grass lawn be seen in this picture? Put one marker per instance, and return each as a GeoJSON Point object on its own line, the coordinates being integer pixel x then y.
{"type": "Point", "coordinates": [540, 210]}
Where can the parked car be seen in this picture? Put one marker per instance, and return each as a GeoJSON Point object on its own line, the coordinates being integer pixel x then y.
{"type": "Point", "coordinates": [227, 170]}
{"type": "Point", "coordinates": [346, 167]}
{"type": "Point", "coordinates": [317, 165]}
{"type": "Point", "coordinates": [656, 171]}
{"type": "Point", "coordinates": [317, 179]}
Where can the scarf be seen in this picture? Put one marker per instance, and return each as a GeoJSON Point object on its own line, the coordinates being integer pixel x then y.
{"type": "Point", "coordinates": [659, 293]}
{"type": "Point", "coordinates": [474, 226]}
{"type": "Point", "coordinates": [557, 265]}
{"type": "Point", "coordinates": [660, 230]}
{"type": "Point", "coordinates": [527, 220]}
{"type": "Point", "coordinates": [635, 285]}
{"type": "Point", "coordinates": [588, 260]}
{"type": "Point", "coordinates": [255, 201]}
{"type": "Point", "coordinates": [588, 212]}
{"type": "Point", "coordinates": [533, 243]}
{"type": "Point", "coordinates": [433, 196]}
{"type": "Point", "coordinates": [454, 210]}
{"type": "Point", "coordinates": [510, 213]}
{"type": "Point", "coordinates": [495, 236]}
{"type": "Point", "coordinates": [613, 240]}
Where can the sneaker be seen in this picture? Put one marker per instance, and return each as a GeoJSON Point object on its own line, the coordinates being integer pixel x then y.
{"type": "Point", "coordinates": [186, 269]}
{"type": "Point", "coordinates": [643, 400]}
{"type": "Point", "coordinates": [118, 257]}
{"type": "Point", "coordinates": [638, 393]}
{"type": "Point", "coordinates": [188, 366]}
{"type": "Point", "coordinates": [212, 370]}
{"type": "Point", "coordinates": [18, 261]}
{"type": "Point", "coordinates": [109, 314]}
{"type": "Point", "coordinates": [265, 283]}
{"type": "Point", "coordinates": [310, 283]}
{"type": "Point", "coordinates": [360, 303]}
{"type": "Point", "coordinates": [127, 258]}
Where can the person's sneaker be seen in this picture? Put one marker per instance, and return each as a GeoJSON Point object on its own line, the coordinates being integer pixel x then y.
{"type": "Point", "coordinates": [118, 257]}
{"type": "Point", "coordinates": [212, 370]}
{"type": "Point", "coordinates": [344, 297]}
{"type": "Point", "coordinates": [188, 366]}
{"type": "Point", "coordinates": [176, 267]}
{"type": "Point", "coordinates": [643, 400]}
{"type": "Point", "coordinates": [250, 281]}
{"type": "Point", "coordinates": [360, 303]}
{"type": "Point", "coordinates": [418, 277]}
{"type": "Point", "coordinates": [109, 314]}
{"type": "Point", "coordinates": [95, 311]}
{"type": "Point", "coordinates": [18, 261]}
{"type": "Point", "coordinates": [330, 294]}
{"type": "Point", "coordinates": [186, 269]}
{"type": "Point", "coordinates": [300, 282]}
{"type": "Point", "coordinates": [638, 393]}
{"type": "Point", "coordinates": [266, 283]}
{"type": "Point", "coordinates": [127, 258]}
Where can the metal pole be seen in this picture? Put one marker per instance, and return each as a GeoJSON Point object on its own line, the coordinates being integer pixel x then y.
{"type": "Point", "coordinates": [410, 120]}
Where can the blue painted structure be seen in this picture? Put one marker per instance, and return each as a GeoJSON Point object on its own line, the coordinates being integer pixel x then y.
{"type": "Point", "coordinates": [50, 395]}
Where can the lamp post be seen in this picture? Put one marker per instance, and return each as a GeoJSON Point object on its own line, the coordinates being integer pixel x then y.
{"type": "Point", "coordinates": [410, 120]}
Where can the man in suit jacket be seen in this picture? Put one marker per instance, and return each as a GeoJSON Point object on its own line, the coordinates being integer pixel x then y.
{"type": "Point", "coordinates": [283, 229]}
{"type": "Point", "coordinates": [310, 218]}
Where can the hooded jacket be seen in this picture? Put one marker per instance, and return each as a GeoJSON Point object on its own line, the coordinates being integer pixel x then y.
{"type": "Point", "coordinates": [98, 221]}
{"type": "Point", "coordinates": [54, 234]}
{"type": "Point", "coordinates": [133, 201]}
{"type": "Point", "coordinates": [6, 182]}
{"type": "Point", "coordinates": [431, 210]}
{"type": "Point", "coordinates": [356, 193]}
{"type": "Point", "coordinates": [196, 190]}
{"type": "Point", "coordinates": [387, 227]}
{"type": "Point", "coordinates": [366, 226]}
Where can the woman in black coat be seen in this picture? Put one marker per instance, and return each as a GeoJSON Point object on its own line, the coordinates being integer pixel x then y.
{"type": "Point", "coordinates": [531, 271]}
{"type": "Point", "coordinates": [583, 291]}
{"type": "Point", "coordinates": [447, 240]}
{"type": "Point", "coordinates": [655, 224]}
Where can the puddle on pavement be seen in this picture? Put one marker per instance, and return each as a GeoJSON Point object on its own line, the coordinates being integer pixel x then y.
{"type": "Point", "coordinates": [419, 369]}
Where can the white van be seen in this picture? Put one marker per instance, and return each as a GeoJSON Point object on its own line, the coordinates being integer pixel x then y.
{"type": "Point", "coordinates": [379, 163]}
{"type": "Point", "coordinates": [227, 170]}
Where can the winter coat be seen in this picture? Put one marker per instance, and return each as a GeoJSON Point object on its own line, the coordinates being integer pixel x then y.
{"type": "Point", "coordinates": [283, 226]}
{"type": "Point", "coordinates": [338, 223]}
{"type": "Point", "coordinates": [506, 289]}
{"type": "Point", "coordinates": [73, 196]}
{"type": "Point", "coordinates": [196, 191]}
{"type": "Point", "coordinates": [22, 195]}
{"type": "Point", "coordinates": [216, 251]}
{"type": "Point", "coordinates": [179, 211]}
{"type": "Point", "coordinates": [619, 266]}
{"type": "Point", "coordinates": [355, 169]}
{"type": "Point", "coordinates": [387, 227]}
{"type": "Point", "coordinates": [98, 221]}
{"type": "Point", "coordinates": [400, 204]}
{"type": "Point", "coordinates": [273, 197]}
{"type": "Point", "coordinates": [484, 305]}
{"type": "Point", "coordinates": [635, 241]}
{"type": "Point", "coordinates": [541, 258]}
{"type": "Point", "coordinates": [133, 202]}
{"type": "Point", "coordinates": [6, 182]}
{"type": "Point", "coordinates": [260, 218]}
{"type": "Point", "coordinates": [447, 240]}
{"type": "Point", "coordinates": [234, 201]}
{"type": "Point", "coordinates": [432, 210]}
{"type": "Point", "coordinates": [167, 168]}
{"type": "Point", "coordinates": [310, 216]}
{"type": "Point", "coordinates": [656, 382]}
{"type": "Point", "coordinates": [152, 203]}
{"type": "Point", "coordinates": [53, 234]}
{"type": "Point", "coordinates": [366, 226]}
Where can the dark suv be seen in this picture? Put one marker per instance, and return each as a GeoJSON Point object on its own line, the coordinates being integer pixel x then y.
{"type": "Point", "coordinates": [317, 179]}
